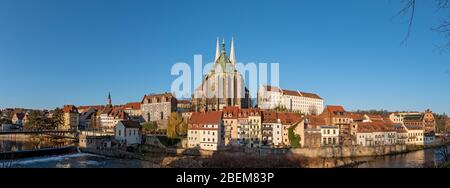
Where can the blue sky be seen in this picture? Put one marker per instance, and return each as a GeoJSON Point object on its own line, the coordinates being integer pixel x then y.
{"type": "Point", "coordinates": [56, 52]}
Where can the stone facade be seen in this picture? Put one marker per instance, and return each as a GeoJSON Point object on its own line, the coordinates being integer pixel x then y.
{"type": "Point", "coordinates": [222, 86]}
{"type": "Point", "coordinates": [157, 107]}
{"type": "Point", "coordinates": [71, 118]}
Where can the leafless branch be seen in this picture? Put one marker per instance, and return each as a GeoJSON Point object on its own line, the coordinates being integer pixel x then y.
{"type": "Point", "coordinates": [410, 7]}
{"type": "Point", "coordinates": [444, 30]}
{"type": "Point", "coordinates": [443, 4]}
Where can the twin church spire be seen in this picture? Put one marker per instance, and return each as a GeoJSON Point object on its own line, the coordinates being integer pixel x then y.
{"type": "Point", "coordinates": [232, 53]}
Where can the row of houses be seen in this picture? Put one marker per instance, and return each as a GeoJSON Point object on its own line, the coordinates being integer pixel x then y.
{"type": "Point", "coordinates": [258, 128]}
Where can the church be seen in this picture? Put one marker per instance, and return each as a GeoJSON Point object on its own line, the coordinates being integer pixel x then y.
{"type": "Point", "coordinates": [223, 85]}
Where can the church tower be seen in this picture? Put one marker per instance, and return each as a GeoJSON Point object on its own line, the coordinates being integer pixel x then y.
{"type": "Point", "coordinates": [109, 102]}
{"type": "Point", "coordinates": [223, 85]}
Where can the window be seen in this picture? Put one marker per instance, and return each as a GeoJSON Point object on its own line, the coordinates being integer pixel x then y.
{"type": "Point", "coordinates": [120, 132]}
{"type": "Point", "coordinates": [162, 115]}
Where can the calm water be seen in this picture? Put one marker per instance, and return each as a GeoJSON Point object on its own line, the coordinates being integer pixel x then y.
{"type": "Point", "coordinates": [409, 160]}
{"type": "Point", "coordinates": [21, 142]}
{"type": "Point", "coordinates": [84, 160]}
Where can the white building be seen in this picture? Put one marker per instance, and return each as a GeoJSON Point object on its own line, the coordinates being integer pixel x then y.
{"type": "Point", "coordinates": [375, 134]}
{"type": "Point", "coordinates": [128, 132]}
{"type": "Point", "coordinates": [277, 133]}
{"type": "Point", "coordinates": [205, 130]}
{"type": "Point", "coordinates": [415, 135]}
{"type": "Point", "coordinates": [330, 135]}
{"type": "Point", "coordinates": [270, 97]}
{"type": "Point", "coordinates": [110, 116]}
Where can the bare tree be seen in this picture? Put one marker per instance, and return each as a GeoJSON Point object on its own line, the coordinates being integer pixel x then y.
{"type": "Point", "coordinates": [443, 28]}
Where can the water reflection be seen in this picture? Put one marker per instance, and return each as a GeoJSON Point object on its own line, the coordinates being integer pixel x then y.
{"type": "Point", "coordinates": [23, 142]}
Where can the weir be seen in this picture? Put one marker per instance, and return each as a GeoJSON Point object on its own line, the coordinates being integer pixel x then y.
{"type": "Point", "coordinates": [11, 155]}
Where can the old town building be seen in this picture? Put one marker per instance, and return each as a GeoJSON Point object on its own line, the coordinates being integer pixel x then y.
{"type": "Point", "coordinates": [425, 120]}
{"type": "Point", "coordinates": [271, 97]}
{"type": "Point", "coordinates": [205, 130]}
{"type": "Point", "coordinates": [223, 85]}
{"type": "Point", "coordinates": [337, 116]}
{"type": "Point", "coordinates": [128, 132]}
{"type": "Point", "coordinates": [157, 107]}
{"type": "Point", "coordinates": [71, 118]}
{"type": "Point", "coordinates": [270, 123]}
{"type": "Point", "coordinates": [133, 109]}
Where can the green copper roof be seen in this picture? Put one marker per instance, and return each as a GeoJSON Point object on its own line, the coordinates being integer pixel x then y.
{"type": "Point", "coordinates": [223, 60]}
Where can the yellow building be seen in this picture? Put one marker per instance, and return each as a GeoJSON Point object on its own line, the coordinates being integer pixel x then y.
{"type": "Point", "coordinates": [71, 118]}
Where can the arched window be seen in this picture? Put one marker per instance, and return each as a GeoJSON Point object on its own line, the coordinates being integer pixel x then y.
{"type": "Point", "coordinates": [162, 115]}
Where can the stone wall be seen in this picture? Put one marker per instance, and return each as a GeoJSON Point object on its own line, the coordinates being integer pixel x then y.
{"type": "Point", "coordinates": [349, 151]}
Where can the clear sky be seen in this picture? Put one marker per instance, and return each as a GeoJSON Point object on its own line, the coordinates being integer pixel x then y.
{"type": "Point", "coordinates": [56, 52]}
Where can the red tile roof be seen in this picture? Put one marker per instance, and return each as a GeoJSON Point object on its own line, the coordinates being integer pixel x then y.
{"type": "Point", "coordinates": [70, 109]}
{"type": "Point", "coordinates": [315, 121]}
{"type": "Point", "coordinates": [287, 118]}
{"type": "Point", "coordinates": [210, 117]}
{"type": "Point", "coordinates": [96, 107]}
{"type": "Point", "coordinates": [335, 108]}
{"type": "Point", "coordinates": [132, 106]}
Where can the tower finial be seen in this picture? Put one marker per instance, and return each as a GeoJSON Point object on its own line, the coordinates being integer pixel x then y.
{"type": "Point", "coordinates": [223, 46]}
{"type": "Point", "coordinates": [232, 53]}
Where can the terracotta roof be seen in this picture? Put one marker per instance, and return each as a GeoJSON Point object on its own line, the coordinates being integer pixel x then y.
{"type": "Point", "coordinates": [315, 121]}
{"type": "Point", "coordinates": [287, 118]}
{"type": "Point", "coordinates": [131, 124]}
{"type": "Point", "coordinates": [310, 95]}
{"type": "Point", "coordinates": [290, 92]}
{"type": "Point", "coordinates": [230, 112]}
{"type": "Point", "coordinates": [70, 109]}
{"type": "Point", "coordinates": [355, 116]}
{"type": "Point", "coordinates": [150, 96]}
{"type": "Point", "coordinates": [334, 108]}
{"type": "Point", "coordinates": [210, 117]}
{"type": "Point", "coordinates": [375, 126]}
{"type": "Point", "coordinates": [269, 117]}
{"type": "Point", "coordinates": [96, 107]}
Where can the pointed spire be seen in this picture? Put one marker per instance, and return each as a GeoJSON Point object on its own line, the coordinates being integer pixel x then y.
{"type": "Point", "coordinates": [232, 54]}
{"type": "Point", "coordinates": [217, 50]}
{"type": "Point", "coordinates": [109, 99]}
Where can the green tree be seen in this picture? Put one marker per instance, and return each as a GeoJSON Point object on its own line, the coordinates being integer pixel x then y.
{"type": "Point", "coordinates": [182, 129]}
{"type": "Point", "coordinates": [150, 126]}
{"type": "Point", "coordinates": [5, 121]}
{"type": "Point", "coordinates": [294, 138]}
{"type": "Point", "coordinates": [57, 119]}
{"type": "Point", "coordinates": [175, 122]}
{"type": "Point", "coordinates": [35, 120]}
